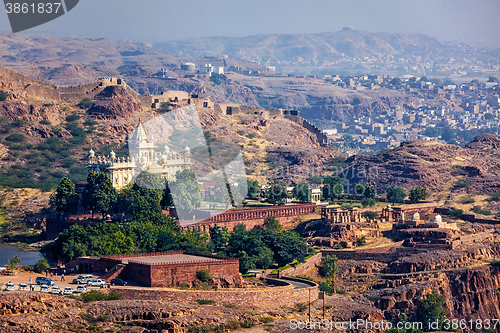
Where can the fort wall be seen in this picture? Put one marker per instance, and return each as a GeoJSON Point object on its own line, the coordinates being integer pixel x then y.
{"type": "Point", "coordinates": [252, 217]}
{"type": "Point", "coordinates": [266, 298]}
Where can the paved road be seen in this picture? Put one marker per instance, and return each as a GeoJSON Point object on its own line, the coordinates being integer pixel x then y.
{"type": "Point", "coordinates": [298, 285]}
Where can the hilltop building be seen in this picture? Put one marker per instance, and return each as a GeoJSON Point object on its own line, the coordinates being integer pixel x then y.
{"type": "Point", "coordinates": [143, 156]}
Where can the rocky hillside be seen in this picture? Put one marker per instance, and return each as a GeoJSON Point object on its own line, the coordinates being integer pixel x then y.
{"type": "Point", "coordinates": [441, 168]}
{"type": "Point", "coordinates": [46, 131]}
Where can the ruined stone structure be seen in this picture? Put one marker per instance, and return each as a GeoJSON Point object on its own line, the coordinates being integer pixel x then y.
{"type": "Point", "coordinates": [144, 155]}
{"type": "Point", "coordinates": [335, 214]}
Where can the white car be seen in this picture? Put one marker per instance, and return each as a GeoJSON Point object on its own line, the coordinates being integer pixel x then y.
{"type": "Point", "coordinates": [10, 286]}
{"type": "Point", "coordinates": [68, 291]}
{"type": "Point", "coordinates": [44, 288]}
{"type": "Point", "coordinates": [55, 290]}
{"type": "Point", "coordinates": [81, 288]}
{"type": "Point", "coordinates": [23, 286]}
{"type": "Point", "coordinates": [96, 283]}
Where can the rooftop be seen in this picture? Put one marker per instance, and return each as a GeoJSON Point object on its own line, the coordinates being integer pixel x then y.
{"type": "Point", "coordinates": [169, 259]}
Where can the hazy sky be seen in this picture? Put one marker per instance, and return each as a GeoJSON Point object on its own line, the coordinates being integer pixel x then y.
{"type": "Point", "coordinates": [471, 21]}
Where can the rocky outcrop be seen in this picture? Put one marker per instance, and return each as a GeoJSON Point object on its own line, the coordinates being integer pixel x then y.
{"type": "Point", "coordinates": [432, 165]}
{"type": "Point", "coordinates": [114, 102]}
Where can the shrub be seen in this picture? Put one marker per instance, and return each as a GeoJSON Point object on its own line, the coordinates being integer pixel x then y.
{"type": "Point", "coordinates": [203, 275]}
{"type": "Point", "coordinates": [90, 122]}
{"type": "Point", "coordinates": [95, 295]}
{"type": "Point", "coordinates": [466, 200]}
{"type": "Point", "coordinates": [495, 263]}
{"type": "Point", "coordinates": [266, 319]}
{"type": "Point", "coordinates": [300, 307]}
{"type": "Point", "coordinates": [455, 212]}
{"type": "Point", "coordinates": [205, 302]}
{"type": "Point", "coordinates": [16, 138]}
{"type": "Point", "coordinates": [85, 103]}
{"type": "Point", "coordinates": [19, 123]}
{"type": "Point", "coordinates": [361, 241]}
{"type": "Point", "coordinates": [72, 117]}
{"type": "Point", "coordinates": [251, 135]}
{"type": "Point", "coordinates": [3, 96]}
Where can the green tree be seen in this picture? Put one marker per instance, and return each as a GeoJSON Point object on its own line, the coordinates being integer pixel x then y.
{"type": "Point", "coordinates": [264, 258]}
{"type": "Point", "coordinates": [368, 202]}
{"type": "Point", "coordinates": [64, 200]}
{"type": "Point", "coordinates": [370, 215]}
{"type": "Point", "coordinates": [493, 79]}
{"type": "Point", "coordinates": [396, 194]}
{"type": "Point", "coordinates": [12, 263]}
{"type": "Point", "coordinates": [167, 200]}
{"type": "Point", "coordinates": [276, 193]}
{"type": "Point", "coordinates": [143, 199]}
{"type": "Point", "coordinates": [222, 193]}
{"type": "Point", "coordinates": [253, 189]}
{"type": "Point", "coordinates": [99, 194]}
{"type": "Point", "coordinates": [333, 188]}
{"type": "Point", "coordinates": [433, 309]}
{"type": "Point", "coordinates": [41, 265]}
{"type": "Point", "coordinates": [272, 223]}
{"type": "Point", "coordinates": [366, 190]}
{"type": "Point", "coordinates": [418, 194]}
{"type": "Point", "coordinates": [302, 192]}
{"type": "Point", "coordinates": [219, 237]}
{"type": "Point", "coordinates": [186, 191]}
{"type": "Point", "coordinates": [330, 270]}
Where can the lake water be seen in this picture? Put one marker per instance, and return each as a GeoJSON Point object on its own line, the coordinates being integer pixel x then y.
{"type": "Point", "coordinates": [27, 257]}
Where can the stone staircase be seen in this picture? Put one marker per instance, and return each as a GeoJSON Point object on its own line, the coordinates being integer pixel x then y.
{"type": "Point", "coordinates": [113, 273]}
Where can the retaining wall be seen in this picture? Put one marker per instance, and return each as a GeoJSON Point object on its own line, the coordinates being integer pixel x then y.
{"type": "Point", "coordinates": [303, 268]}
{"type": "Point", "coordinates": [266, 298]}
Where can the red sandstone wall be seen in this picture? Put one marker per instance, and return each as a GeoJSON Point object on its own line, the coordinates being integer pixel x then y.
{"type": "Point", "coordinates": [249, 223]}
{"type": "Point", "coordinates": [176, 275]}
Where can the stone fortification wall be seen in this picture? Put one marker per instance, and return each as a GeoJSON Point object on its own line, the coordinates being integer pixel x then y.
{"type": "Point", "coordinates": [266, 298]}
{"type": "Point", "coordinates": [12, 81]}
{"type": "Point", "coordinates": [253, 217]}
{"type": "Point", "coordinates": [322, 138]}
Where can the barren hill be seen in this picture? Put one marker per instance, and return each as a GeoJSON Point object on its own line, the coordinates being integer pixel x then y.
{"type": "Point", "coordinates": [441, 168]}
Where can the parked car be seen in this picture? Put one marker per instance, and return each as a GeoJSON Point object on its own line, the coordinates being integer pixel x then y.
{"type": "Point", "coordinates": [55, 290]}
{"type": "Point", "coordinates": [81, 288]}
{"type": "Point", "coordinates": [44, 280]}
{"type": "Point", "coordinates": [10, 286]}
{"type": "Point", "coordinates": [96, 283]}
{"type": "Point", "coordinates": [118, 282]}
{"type": "Point", "coordinates": [82, 279]}
{"type": "Point", "coordinates": [68, 291]}
{"type": "Point", "coordinates": [23, 286]}
{"type": "Point", "coordinates": [44, 288]}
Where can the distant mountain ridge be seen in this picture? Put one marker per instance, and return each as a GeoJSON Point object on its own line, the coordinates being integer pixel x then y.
{"type": "Point", "coordinates": [321, 48]}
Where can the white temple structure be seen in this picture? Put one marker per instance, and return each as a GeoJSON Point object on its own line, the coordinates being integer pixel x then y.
{"type": "Point", "coordinates": [143, 156]}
